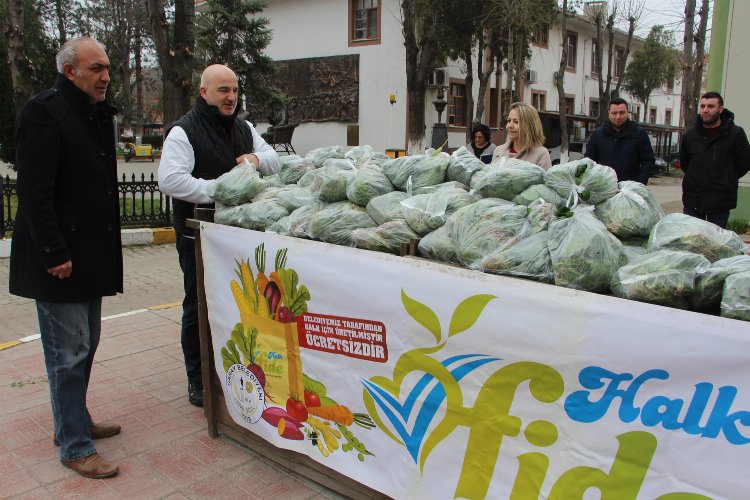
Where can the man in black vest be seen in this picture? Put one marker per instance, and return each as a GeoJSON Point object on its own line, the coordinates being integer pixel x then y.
{"type": "Point", "coordinates": [205, 143]}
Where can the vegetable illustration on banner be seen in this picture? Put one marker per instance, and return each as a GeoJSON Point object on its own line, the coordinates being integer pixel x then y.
{"type": "Point", "coordinates": [264, 376]}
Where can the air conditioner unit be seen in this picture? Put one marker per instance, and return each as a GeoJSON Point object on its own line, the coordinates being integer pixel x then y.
{"type": "Point", "coordinates": [438, 78]}
{"type": "Point", "coordinates": [530, 76]}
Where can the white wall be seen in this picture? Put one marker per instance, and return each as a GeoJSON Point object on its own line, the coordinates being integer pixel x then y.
{"type": "Point", "coordinates": [737, 68]}
{"type": "Point", "coordinates": [303, 29]}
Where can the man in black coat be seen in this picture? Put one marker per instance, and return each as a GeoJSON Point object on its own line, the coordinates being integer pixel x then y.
{"type": "Point", "coordinates": [714, 154]}
{"type": "Point", "coordinates": [66, 251]}
{"type": "Point", "coordinates": [623, 145]}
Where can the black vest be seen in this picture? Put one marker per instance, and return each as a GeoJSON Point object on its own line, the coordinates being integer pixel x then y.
{"type": "Point", "coordinates": [215, 150]}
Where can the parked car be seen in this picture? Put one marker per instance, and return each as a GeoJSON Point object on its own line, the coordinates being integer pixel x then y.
{"type": "Point", "coordinates": [576, 150]}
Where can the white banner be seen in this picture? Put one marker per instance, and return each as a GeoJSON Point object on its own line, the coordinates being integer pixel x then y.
{"type": "Point", "coordinates": [423, 380]}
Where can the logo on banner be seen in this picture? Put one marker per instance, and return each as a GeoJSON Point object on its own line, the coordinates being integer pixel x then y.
{"type": "Point", "coordinates": [245, 393]}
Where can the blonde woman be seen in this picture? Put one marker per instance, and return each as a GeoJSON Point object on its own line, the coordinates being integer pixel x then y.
{"type": "Point", "coordinates": [525, 139]}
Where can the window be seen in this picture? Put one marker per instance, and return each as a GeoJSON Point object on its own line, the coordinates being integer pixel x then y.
{"type": "Point", "coordinates": [364, 22]}
{"type": "Point", "coordinates": [572, 41]}
{"type": "Point", "coordinates": [636, 115]}
{"type": "Point", "coordinates": [619, 62]}
{"type": "Point", "coordinates": [457, 105]}
{"type": "Point", "coordinates": [539, 100]}
{"type": "Point", "coordinates": [570, 105]}
{"type": "Point", "coordinates": [595, 69]}
{"type": "Point", "coordinates": [670, 86]}
{"type": "Point", "coordinates": [594, 108]}
{"type": "Point", "coordinates": [541, 37]}
{"type": "Point", "coordinates": [652, 116]}
{"type": "Point", "coordinates": [667, 117]}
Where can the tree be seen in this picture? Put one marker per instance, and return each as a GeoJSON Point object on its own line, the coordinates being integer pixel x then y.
{"type": "Point", "coordinates": [692, 62]}
{"type": "Point", "coordinates": [175, 44]}
{"type": "Point", "coordinates": [651, 67]}
{"type": "Point", "coordinates": [21, 69]}
{"type": "Point", "coordinates": [560, 84]}
{"type": "Point", "coordinates": [230, 32]}
{"type": "Point", "coordinates": [420, 20]}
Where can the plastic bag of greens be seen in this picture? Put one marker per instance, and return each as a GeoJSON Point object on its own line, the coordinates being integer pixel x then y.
{"type": "Point", "coordinates": [709, 284]}
{"type": "Point", "coordinates": [540, 215]}
{"type": "Point", "coordinates": [228, 215]}
{"type": "Point", "coordinates": [526, 257]}
{"type": "Point", "coordinates": [299, 220]}
{"type": "Point", "coordinates": [509, 178]}
{"type": "Point", "coordinates": [281, 226]}
{"type": "Point", "coordinates": [664, 277]}
{"type": "Point", "coordinates": [293, 167]}
{"type": "Point", "coordinates": [632, 212]}
{"type": "Point", "coordinates": [292, 197]}
{"type": "Point", "coordinates": [237, 186]}
{"type": "Point", "coordinates": [336, 224]}
{"type": "Point", "coordinates": [633, 252]}
{"type": "Point", "coordinates": [479, 229]}
{"type": "Point", "coordinates": [330, 183]}
{"type": "Point", "coordinates": [438, 245]}
{"type": "Point", "coordinates": [257, 215]}
{"type": "Point", "coordinates": [424, 170]}
{"type": "Point", "coordinates": [463, 165]}
{"type": "Point", "coordinates": [584, 254]}
{"type": "Point", "coordinates": [478, 176]}
{"type": "Point", "coordinates": [537, 191]}
{"type": "Point", "coordinates": [273, 181]}
{"type": "Point", "coordinates": [683, 232]}
{"type": "Point", "coordinates": [387, 207]}
{"type": "Point", "coordinates": [582, 181]}
{"type": "Point", "coordinates": [269, 193]}
{"type": "Point", "coordinates": [735, 299]}
{"type": "Point", "coordinates": [427, 212]}
{"type": "Point", "coordinates": [384, 238]}
{"type": "Point", "coordinates": [442, 185]}
{"type": "Point", "coordinates": [368, 182]}
{"type": "Point", "coordinates": [319, 155]}
{"type": "Point", "coordinates": [307, 179]}
{"type": "Point", "coordinates": [365, 154]}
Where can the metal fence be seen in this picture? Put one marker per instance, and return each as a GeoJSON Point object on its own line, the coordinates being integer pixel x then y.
{"type": "Point", "coordinates": [141, 203]}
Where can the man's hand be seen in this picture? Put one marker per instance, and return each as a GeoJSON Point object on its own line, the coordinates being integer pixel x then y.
{"type": "Point", "coordinates": [249, 157]}
{"type": "Point", "coordinates": [62, 271]}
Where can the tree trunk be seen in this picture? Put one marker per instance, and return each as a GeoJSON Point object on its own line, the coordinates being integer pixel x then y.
{"type": "Point", "coordinates": [469, 80]}
{"type": "Point", "coordinates": [421, 57]}
{"type": "Point", "coordinates": [688, 67]}
{"type": "Point", "coordinates": [123, 34]}
{"type": "Point", "coordinates": [139, 107]}
{"type": "Point", "coordinates": [60, 12]}
{"type": "Point", "coordinates": [175, 55]}
{"type": "Point", "coordinates": [484, 78]}
{"type": "Point", "coordinates": [700, 50]}
{"type": "Point", "coordinates": [21, 69]}
{"type": "Point", "coordinates": [560, 83]}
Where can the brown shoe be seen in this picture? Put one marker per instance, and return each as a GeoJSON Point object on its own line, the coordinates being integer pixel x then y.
{"type": "Point", "coordinates": [99, 431]}
{"type": "Point", "coordinates": [93, 466]}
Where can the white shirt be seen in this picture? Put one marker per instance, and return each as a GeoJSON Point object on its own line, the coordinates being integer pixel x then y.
{"type": "Point", "coordinates": [178, 161]}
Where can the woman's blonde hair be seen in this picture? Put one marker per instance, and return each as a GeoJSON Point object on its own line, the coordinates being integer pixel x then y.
{"type": "Point", "coordinates": [530, 133]}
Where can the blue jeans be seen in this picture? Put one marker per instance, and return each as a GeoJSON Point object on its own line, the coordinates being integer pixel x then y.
{"type": "Point", "coordinates": [719, 218]}
{"type": "Point", "coordinates": [70, 335]}
{"type": "Point", "coordinates": [189, 335]}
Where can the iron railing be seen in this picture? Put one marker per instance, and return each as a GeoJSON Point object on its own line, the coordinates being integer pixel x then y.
{"type": "Point", "coordinates": [141, 203]}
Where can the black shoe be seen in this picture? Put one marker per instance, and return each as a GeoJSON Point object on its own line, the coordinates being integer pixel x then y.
{"type": "Point", "coordinates": [195, 393]}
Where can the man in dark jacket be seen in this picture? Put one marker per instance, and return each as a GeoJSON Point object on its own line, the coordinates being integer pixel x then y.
{"type": "Point", "coordinates": [205, 143]}
{"type": "Point", "coordinates": [714, 154]}
{"type": "Point", "coordinates": [66, 251]}
{"type": "Point", "coordinates": [623, 145]}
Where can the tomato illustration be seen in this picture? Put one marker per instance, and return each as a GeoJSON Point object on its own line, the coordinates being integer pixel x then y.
{"type": "Point", "coordinates": [296, 409]}
{"type": "Point", "coordinates": [311, 398]}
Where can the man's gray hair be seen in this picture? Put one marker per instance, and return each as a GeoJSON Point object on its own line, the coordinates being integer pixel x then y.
{"type": "Point", "coordinates": [68, 52]}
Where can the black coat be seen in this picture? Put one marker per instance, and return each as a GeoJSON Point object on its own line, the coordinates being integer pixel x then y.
{"type": "Point", "coordinates": [68, 200]}
{"type": "Point", "coordinates": [713, 166]}
{"type": "Point", "coordinates": [629, 152]}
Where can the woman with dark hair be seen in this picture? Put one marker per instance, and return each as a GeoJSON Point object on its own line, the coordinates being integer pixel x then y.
{"type": "Point", "coordinates": [480, 143]}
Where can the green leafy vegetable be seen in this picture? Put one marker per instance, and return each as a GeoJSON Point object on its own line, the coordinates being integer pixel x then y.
{"type": "Point", "coordinates": [294, 298]}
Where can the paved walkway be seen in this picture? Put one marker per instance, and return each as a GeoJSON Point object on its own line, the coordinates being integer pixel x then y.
{"type": "Point", "coordinates": [138, 381]}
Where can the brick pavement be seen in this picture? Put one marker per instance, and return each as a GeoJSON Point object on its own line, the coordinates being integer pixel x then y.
{"type": "Point", "coordinates": [139, 381]}
{"type": "Point", "coordinates": [152, 277]}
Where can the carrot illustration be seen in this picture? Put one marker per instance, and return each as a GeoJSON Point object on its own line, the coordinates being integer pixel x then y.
{"type": "Point", "coordinates": [337, 413]}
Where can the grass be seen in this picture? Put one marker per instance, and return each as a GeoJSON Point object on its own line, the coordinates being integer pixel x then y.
{"type": "Point", "coordinates": [739, 226]}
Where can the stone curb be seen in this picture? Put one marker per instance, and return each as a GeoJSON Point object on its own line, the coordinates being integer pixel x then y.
{"type": "Point", "coordinates": [144, 236]}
